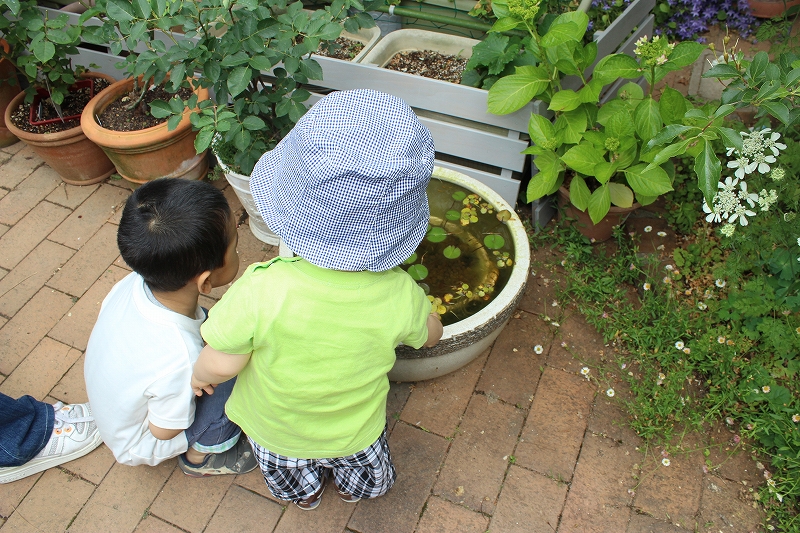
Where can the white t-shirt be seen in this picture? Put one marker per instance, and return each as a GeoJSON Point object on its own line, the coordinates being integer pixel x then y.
{"type": "Point", "coordinates": [138, 369]}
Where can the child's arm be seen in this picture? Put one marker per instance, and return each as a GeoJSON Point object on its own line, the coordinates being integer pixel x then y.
{"type": "Point", "coordinates": [163, 434]}
{"type": "Point", "coordinates": [434, 330]}
{"type": "Point", "coordinates": [214, 367]}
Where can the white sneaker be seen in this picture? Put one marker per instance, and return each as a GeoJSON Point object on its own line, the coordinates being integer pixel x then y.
{"type": "Point", "coordinates": [74, 435]}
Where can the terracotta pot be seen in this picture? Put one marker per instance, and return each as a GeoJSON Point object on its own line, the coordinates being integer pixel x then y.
{"type": "Point", "coordinates": [768, 9]}
{"type": "Point", "coordinates": [144, 155]}
{"type": "Point", "coordinates": [7, 93]}
{"type": "Point", "coordinates": [76, 159]}
{"type": "Point", "coordinates": [597, 232]}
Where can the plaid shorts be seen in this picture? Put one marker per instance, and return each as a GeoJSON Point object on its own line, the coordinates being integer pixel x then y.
{"type": "Point", "coordinates": [366, 474]}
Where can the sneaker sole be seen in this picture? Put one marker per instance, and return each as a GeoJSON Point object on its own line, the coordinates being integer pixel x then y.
{"type": "Point", "coordinates": [34, 467]}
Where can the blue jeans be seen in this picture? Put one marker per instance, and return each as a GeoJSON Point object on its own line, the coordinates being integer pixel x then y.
{"type": "Point", "coordinates": [26, 425]}
{"type": "Point", "coordinates": [212, 431]}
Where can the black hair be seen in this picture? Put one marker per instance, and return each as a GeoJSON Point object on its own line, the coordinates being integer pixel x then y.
{"type": "Point", "coordinates": [173, 230]}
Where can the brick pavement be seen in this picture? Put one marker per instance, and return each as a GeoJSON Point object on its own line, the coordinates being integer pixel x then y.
{"type": "Point", "coordinates": [515, 441]}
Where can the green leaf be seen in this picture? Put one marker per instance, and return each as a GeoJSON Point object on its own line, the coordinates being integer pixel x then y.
{"type": "Point", "coordinates": [758, 66]}
{"type": "Point", "coordinates": [673, 150]}
{"type": "Point", "coordinates": [120, 10]}
{"type": "Point", "coordinates": [579, 193]}
{"type": "Point", "coordinates": [238, 80]}
{"type": "Point", "coordinates": [722, 71]}
{"type": "Point", "coordinates": [647, 118]}
{"type": "Point", "coordinates": [541, 183]}
{"type": "Point", "coordinates": [673, 106]}
{"type": "Point", "coordinates": [253, 123]}
{"type": "Point", "coordinates": [437, 234]}
{"type": "Point", "coordinates": [411, 259]}
{"type": "Point", "coordinates": [565, 100]}
{"type": "Point", "coordinates": [570, 126]}
{"type": "Point", "coordinates": [599, 204]}
{"type": "Point", "coordinates": [173, 122]}
{"type": "Point", "coordinates": [778, 110]}
{"type": "Point", "coordinates": [541, 130]}
{"type": "Point", "coordinates": [560, 34]}
{"type": "Point", "coordinates": [620, 125]}
{"type": "Point", "coordinates": [615, 66]}
{"type": "Point", "coordinates": [203, 139]}
{"type": "Point", "coordinates": [160, 109]}
{"type": "Point", "coordinates": [44, 51]}
{"type": "Point", "coordinates": [142, 9]}
{"type": "Point", "coordinates": [685, 53]}
{"type": "Point", "coordinates": [452, 252]}
{"type": "Point", "coordinates": [582, 158]}
{"type": "Point", "coordinates": [604, 170]}
{"type": "Point", "coordinates": [620, 195]}
{"type": "Point", "coordinates": [648, 181]}
{"type": "Point", "coordinates": [494, 53]}
{"type": "Point", "coordinates": [513, 92]}
{"type": "Point", "coordinates": [494, 242]}
{"type": "Point", "coordinates": [708, 170]}
{"type": "Point", "coordinates": [579, 18]}
{"type": "Point", "coordinates": [631, 91]}
{"type": "Point", "coordinates": [668, 134]}
{"type": "Point", "coordinates": [731, 137]}
{"type": "Point", "coordinates": [452, 215]}
{"type": "Point", "coordinates": [590, 93]}
{"type": "Point", "coordinates": [418, 272]}
{"type": "Point", "coordinates": [504, 24]}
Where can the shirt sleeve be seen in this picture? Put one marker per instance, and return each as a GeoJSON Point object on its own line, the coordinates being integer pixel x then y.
{"type": "Point", "coordinates": [420, 308]}
{"type": "Point", "coordinates": [231, 322]}
{"type": "Point", "coordinates": [170, 403]}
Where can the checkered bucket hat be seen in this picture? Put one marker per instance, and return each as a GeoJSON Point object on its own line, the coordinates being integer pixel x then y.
{"type": "Point", "coordinates": [346, 188]}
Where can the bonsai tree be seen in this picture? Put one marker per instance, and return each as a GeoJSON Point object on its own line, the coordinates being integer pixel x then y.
{"type": "Point", "coordinates": [40, 47]}
{"type": "Point", "coordinates": [255, 58]}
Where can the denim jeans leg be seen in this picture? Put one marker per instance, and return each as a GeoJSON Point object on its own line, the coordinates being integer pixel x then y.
{"type": "Point", "coordinates": [26, 425]}
{"type": "Point", "coordinates": [212, 431]}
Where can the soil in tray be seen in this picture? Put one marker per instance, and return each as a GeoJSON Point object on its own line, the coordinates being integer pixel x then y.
{"type": "Point", "coordinates": [116, 116]}
{"type": "Point", "coordinates": [73, 105]}
{"type": "Point", "coordinates": [429, 64]}
{"type": "Point", "coordinates": [344, 48]}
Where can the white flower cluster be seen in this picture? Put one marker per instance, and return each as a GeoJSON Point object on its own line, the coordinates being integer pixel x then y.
{"type": "Point", "coordinates": [733, 203]}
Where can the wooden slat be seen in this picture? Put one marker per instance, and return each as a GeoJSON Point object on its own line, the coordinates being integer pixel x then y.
{"type": "Point", "coordinates": [505, 187]}
{"type": "Point", "coordinates": [104, 61]}
{"type": "Point", "coordinates": [612, 37]}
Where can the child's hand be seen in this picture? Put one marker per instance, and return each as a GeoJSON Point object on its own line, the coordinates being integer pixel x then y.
{"type": "Point", "coordinates": [199, 387]}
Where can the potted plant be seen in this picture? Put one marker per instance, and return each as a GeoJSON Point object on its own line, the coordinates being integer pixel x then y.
{"type": "Point", "coordinates": [9, 88]}
{"type": "Point", "coordinates": [41, 49]}
{"type": "Point", "coordinates": [603, 152]}
{"type": "Point", "coordinates": [253, 59]}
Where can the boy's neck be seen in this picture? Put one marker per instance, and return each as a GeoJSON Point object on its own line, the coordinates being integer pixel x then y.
{"type": "Point", "coordinates": [183, 301]}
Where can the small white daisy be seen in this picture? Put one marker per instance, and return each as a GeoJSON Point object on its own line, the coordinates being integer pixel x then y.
{"type": "Point", "coordinates": [662, 233]}
{"type": "Point", "coordinates": [795, 418]}
{"type": "Point", "coordinates": [679, 345]}
{"type": "Point", "coordinates": [720, 283]}
{"type": "Point", "coordinates": [585, 371]}
{"type": "Point", "coordinates": [648, 229]}
{"type": "Point", "coordinates": [665, 461]}
{"type": "Point", "coordinates": [765, 389]}
{"type": "Point", "coordinates": [538, 349]}
{"type": "Point", "coordinates": [702, 306]}
{"type": "Point", "coordinates": [646, 286]}
{"type": "Point", "coordinates": [610, 393]}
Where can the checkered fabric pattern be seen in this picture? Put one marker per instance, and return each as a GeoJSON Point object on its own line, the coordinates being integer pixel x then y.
{"type": "Point", "coordinates": [345, 189]}
{"type": "Point", "coordinates": [366, 474]}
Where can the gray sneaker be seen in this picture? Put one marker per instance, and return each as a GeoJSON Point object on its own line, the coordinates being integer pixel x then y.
{"type": "Point", "coordinates": [238, 460]}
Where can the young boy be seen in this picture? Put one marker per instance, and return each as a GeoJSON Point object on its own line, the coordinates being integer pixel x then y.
{"type": "Point", "coordinates": [312, 338]}
{"type": "Point", "coordinates": [179, 237]}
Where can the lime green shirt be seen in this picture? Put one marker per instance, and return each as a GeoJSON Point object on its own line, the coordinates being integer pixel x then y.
{"type": "Point", "coordinates": [322, 342]}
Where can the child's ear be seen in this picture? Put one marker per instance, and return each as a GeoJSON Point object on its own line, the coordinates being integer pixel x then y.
{"type": "Point", "coordinates": [204, 282]}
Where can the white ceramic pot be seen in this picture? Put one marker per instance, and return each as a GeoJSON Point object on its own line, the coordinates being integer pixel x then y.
{"type": "Point", "coordinates": [241, 186]}
{"type": "Point", "coordinates": [467, 339]}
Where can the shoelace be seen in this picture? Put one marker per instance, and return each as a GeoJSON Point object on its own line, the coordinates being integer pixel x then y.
{"type": "Point", "coordinates": [63, 418]}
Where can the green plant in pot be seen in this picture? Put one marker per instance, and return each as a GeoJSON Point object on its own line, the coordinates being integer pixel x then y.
{"type": "Point", "coordinates": [41, 47]}
{"type": "Point", "coordinates": [602, 151]}
{"type": "Point", "coordinates": [254, 57]}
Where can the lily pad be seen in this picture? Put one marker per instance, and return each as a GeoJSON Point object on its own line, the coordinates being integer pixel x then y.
{"type": "Point", "coordinates": [418, 272]}
{"type": "Point", "coordinates": [452, 252]}
{"type": "Point", "coordinates": [459, 195]}
{"type": "Point", "coordinates": [452, 215]}
{"type": "Point", "coordinates": [494, 242]}
{"type": "Point", "coordinates": [437, 234]}
{"type": "Point", "coordinates": [411, 259]}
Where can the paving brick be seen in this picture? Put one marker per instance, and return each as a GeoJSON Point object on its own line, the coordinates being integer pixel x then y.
{"type": "Point", "coordinates": [205, 495]}
{"type": "Point", "coordinates": [94, 466]}
{"type": "Point", "coordinates": [52, 503]}
{"type": "Point", "coordinates": [83, 269]}
{"type": "Point", "coordinates": [3, 229]}
{"type": "Point", "coordinates": [641, 523]}
{"type": "Point", "coordinates": [438, 404]}
{"type": "Point", "coordinates": [417, 456]}
{"type": "Point", "coordinates": [729, 460]}
{"type": "Point", "coordinates": [23, 332]}
{"type": "Point", "coordinates": [242, 511]}
{"type": "Point", "coordinates": [540, 291]}
{"type": "Point", "coordinates": [72, 387]}
{"type": "Point", "coordinates": [441, 515]}
{"type": "Point", "coordinates": [672, 492]}
{"type": "Point", "coordinates": [75, 327]}
{"type": "Point", "coordinates": [27, 194]}
{"type": "Point", "coordinates": [152, 524]}
{"type": "Point", "coordinates": [396, 401]}
{"type": "Point", "coordinates": [610, 420]}
{"type": "Point", "coordinates": [554, 430]}
{"type": "Point", "coordinates": [19, 167]}
{"type": "Point", "coordinates": [87, 219]}
{"type": "Point", "coordinates": [122, 498]}
{"type": "Point", "coordinates": [529, 503]}
{"type": "Point", "coordinates": [478, 458]}
{"type": "Point", "coordinates": [26, 234]}
{"type": "Point", "coordinates": [724, 508]}
{"type": "Point", "coordinates": [11, 150]}
{"type": "Point", "coordinates": [40, 370]}
{"type": "Point", "coordinates": [513, 368]}
{"type": "Point", "coordinates": [598, 499]}
{"type": "Point", "coordinates": [71, 196]}
{"type": "Point", "coordinates": [331, 516]}
{"type": "Point", "coordinates": [12, 493]}
{"type": "Point", "coordinates": [30, 275]}
{"type": "Point", "coordinates": [254, 482]}
{"type": "Point", "coordinates": [584, 345]}
{"type": "Point", "coordinates": [121, 263]}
